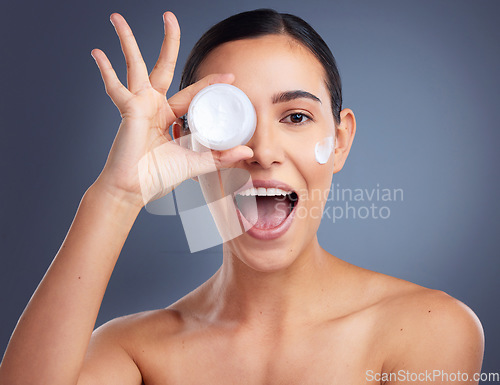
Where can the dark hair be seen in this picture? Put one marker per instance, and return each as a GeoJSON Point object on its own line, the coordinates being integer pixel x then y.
{"type": "Point", "coordinates": [262, 22]}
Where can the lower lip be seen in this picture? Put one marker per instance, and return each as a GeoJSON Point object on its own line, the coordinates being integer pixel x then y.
{"type": "Point", "coordinates": [266, 234]}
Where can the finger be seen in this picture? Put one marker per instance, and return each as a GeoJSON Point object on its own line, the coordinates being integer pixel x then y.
{"type": "Point", "coordinates": [229, 157]}
{"type": "Point", "coordinates": [169, 164]}
{"type": "Point", "coordinates": [137, 73]}
{"type": "Point", "coordinates": [179, 103]}
{"type": "Point", "coordinates": [209, 161]}
{"type": "Point", "coordinates": [114, 88]}
{"type": "Point", "coordinates": [163, 72]}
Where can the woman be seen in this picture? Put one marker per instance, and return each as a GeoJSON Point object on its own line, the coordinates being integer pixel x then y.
{"type": "Point", "coordinates": [280, 309]}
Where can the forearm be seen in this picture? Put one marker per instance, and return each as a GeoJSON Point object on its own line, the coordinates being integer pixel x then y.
{"type": "Point", "coordinates": [51, 338]}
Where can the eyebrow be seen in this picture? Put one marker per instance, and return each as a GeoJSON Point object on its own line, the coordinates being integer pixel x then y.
{"type": "Point", "coordinates": [286, 96]}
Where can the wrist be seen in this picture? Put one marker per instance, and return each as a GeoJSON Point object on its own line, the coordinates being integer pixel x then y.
{"type": "Point", "coordinates": [117, 203]}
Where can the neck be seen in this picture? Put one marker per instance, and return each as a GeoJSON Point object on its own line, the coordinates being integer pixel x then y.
{"type": "Point", "coordinates": [289, 295]}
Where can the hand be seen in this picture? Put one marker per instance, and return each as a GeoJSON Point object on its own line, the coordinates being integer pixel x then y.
{"type": "Point", "coordinates": [144, 163]}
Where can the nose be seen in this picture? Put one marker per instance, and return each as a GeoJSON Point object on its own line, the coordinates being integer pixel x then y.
{"type": "Point", "coordinates": [267, 148]}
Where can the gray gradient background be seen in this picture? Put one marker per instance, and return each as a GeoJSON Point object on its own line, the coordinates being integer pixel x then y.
{"type": "Point", "coordinates": [421, 78]}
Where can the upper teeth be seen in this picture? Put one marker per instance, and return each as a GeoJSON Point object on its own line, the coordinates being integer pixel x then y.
{"type": "Point", "coordinates": [262, 191]}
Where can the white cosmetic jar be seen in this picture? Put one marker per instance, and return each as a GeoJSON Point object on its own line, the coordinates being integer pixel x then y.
{"type": "Point", "coordinates": [221, 116]}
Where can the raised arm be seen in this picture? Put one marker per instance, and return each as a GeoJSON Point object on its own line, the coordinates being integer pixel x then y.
{"type": "Point", "coordinates": [50, 341]}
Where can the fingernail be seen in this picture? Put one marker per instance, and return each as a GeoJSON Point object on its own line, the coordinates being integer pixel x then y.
{"type": "Point", "coordinates": [247, 152]}
{"type": "Point", "coordinates": [228, 76]}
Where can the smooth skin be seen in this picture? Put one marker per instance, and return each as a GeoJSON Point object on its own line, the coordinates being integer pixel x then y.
{"type": "Point", "coordinates": [285, 312]}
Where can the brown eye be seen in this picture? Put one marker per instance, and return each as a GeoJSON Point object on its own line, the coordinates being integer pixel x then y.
{"type": "Point", "coordinates": [296, 118]}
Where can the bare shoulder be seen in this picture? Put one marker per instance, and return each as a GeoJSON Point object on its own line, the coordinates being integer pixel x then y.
{"type": "Point", "coordinates": [133, 329]}
{"type": "Point", "coordinates": [428, 329]}
{"type": "Point", "coordinates": [117, 348]}
{"type": "Point", "coordinates": [433, 311]}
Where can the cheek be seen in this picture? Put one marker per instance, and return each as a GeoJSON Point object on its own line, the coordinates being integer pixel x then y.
{"type": "Point", "coordinates": [316, 144]}
{"type": "Point", "coordinates": [323, 149]}
{"type": "Point", "coordinates": [314, 153]}
{"type": "Point", "coordinates": [315, 162]}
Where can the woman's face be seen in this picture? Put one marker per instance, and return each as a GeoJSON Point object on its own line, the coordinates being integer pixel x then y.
{"type": "Point", "coordinates": [270, 70]}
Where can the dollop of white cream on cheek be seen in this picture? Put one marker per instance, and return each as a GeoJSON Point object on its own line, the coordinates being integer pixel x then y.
{"type": "Point", "coordinates": [323, 149]}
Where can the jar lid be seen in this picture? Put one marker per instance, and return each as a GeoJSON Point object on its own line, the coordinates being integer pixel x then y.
{"type": "Point", "coordinates": [221, 116]}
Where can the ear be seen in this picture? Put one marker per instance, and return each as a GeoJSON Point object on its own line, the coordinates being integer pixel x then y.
{"type": "Point", "coordinates": [344, 137]}
{"type": "Point", "coordinates": [178, 130]}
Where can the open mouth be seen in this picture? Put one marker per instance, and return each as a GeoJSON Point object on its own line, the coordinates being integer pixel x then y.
{"type": "Point", "coordinates": [266, 208]}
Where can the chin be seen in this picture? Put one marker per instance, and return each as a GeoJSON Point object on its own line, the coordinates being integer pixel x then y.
{"type": "Point", "coordinates": [262, 258]}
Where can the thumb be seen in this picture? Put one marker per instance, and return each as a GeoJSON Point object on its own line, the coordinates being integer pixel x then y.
{"type": "Point", "coordinates": [210, 161]}
{"type": "Point", "coordinates": [168, 165]}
